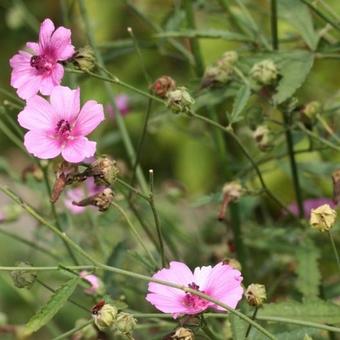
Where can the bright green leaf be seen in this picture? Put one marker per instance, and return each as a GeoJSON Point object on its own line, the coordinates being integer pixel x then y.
{"type": "Point", "coordinates": [51, 308]}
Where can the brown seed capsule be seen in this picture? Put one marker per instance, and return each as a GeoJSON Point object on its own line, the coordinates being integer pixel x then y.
{"type": "Point", "coordinates": [336, 186]}
{"type": "Point", "coordinates": [101, 200]}
{"type": "Point", "coordinates": [180, 333]}
{"type": "Point", "coordinates": [163, 85]}
{"type": "Point", "coordinates": [84, 59]}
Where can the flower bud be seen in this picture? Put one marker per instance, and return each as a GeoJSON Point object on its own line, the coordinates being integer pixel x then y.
{"type": "Point", "coordinates": [125, 323]}
{"type": "Point", "coordinates": [323, 218]}
{"type": "Point", "coordinates": [256, 294]}
{"type": "Point", "coordinates": [105, 317]}
{"type": "Point", "coordinates": [264, 72]}
{"type": "Point", "coordinates": [84, 59]}
{"type": "Point", "coordinates": [180, 100]}
{"type": "Point", "coordinates": [163, 85]}
{"type": "Point", "coordinates": [88, 332]}
{"type": "Point", "coordinates": [311, 109]}
{"type": "Point", "coordinates": [261, 136]}
{"type": "Point", "coordinates": [233, 263]}
{"type": "Point", "coordinates": [23, 278]}
{"type": "Point", "coordinates": [229, 58]}
{"type": "Point", "coordinates": [104, 170]}
{"type": "Point", "coordinates": [101, 200]}
{"type": "Point", "coordinates": [182, 334]}
{"type": "Point", "coordinates": [216, 75]}
{"type": "Point", "coordinates": [96, 285]}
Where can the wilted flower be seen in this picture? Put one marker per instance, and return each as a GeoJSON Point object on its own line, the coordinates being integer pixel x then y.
{"type": "Point", "coordinates": [125, 323]}
{"type": "Point", "coordinates": [101, 200]}
{"type": "Point", "coordinates": [182, 334]}
{"type": "Point", "coordinates": [94, 281]}
{"type": "Point", "coordinates": [231, 191]}
{"type": "Point", "coordinates": [221, 282]}
{"type": "Point", "coordinates": [264, 72]}
{"type": "Point", "coordinates": [40, 69]}
{"type": "Point", "coordinates": [23, 278]}
{"type": "Point", "coordinates": [84, 59]}
{"type": "Point", "coordinates": [323, 218]}
{"type": "Point", "coordinates": [105, 317]}
{"type": "Point", "coordinates": [60, 126]}
{"type": "Point", "coordinates": [256, 294]}
{"type": "Point", "coordinates": [180, 100]}
{"type": "Point", "coordinates": [163, 85]}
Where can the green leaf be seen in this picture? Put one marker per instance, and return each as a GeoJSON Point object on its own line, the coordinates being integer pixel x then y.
{"type": "Point", "coordinates": [294, 69]}
{"type": "Point", "coordinates": [51, 308]}
{"type": "Point", "coordinates": [297, 333]}
{"type": "Point", "coordinates": [299, 16]}
{"type": "Point", "coordinates": [309, 277]}
{"type": "Point", "coordinates": [241, 100]}
{"type": "Point", "coordinates": [316, 310]}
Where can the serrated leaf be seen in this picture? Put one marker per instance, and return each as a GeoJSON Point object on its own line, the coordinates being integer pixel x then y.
{"type": "Point", "coordinates": [308, 274]}
{"type": "Point", "coordinates": [299, 16]}
{"type": "Point", "coordinates": [316, 310]}
{"type": "Point", "coordinates": [294, 69]}
{"type": "Point", "coordinates": [51, 308]}
{"type": "Point", "coordinates": [240, 102]}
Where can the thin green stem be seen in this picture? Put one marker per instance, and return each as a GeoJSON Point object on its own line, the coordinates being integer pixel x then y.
{"type": "Point", "coordinates": [67, 334]}
{"type": "Point", "coordinates": [156, 218]}
{"type": "Point", "coordinates": [335, 250]}
{"type": "Point", "coordinates": [190, 16]}
{"type": "Point", "coordinates": [273, 22]}
{"type": "Point", "coordinates": [131, 188]}
{"type": "Point", "coordinates": [119, 119]}
{"type": "Point", "coordinates": [293, 165]}
{"type": "Point", "coordinates": [135, 233]}
{"type": "Point", "coordinates": [249, 326]}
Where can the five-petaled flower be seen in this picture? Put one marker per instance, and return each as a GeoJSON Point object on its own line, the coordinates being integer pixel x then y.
{"type": "Point", "coordinates": [39, 69]}
{"type": "Point", "coordinates": [220, 282]}
{"type": "Point", "coordinates": [60, 126]}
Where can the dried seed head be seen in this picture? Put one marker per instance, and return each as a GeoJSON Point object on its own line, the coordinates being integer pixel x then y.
{"type": "Point", "coordinates": [101, 200]}
{"type": "Point", "coordinates": [125, 323]}
{"type": "Point", "coordinates": [105, 317]}
{"type": "Point", "coordinates": [182, 334]}
{"type": "Point", "coordinates": [23, 278]}
{"type": "Point", "coordinates": [231, 191]}
{"type": "Point", "coordinates": [264, 72]}
{"type": "Point", "coordinates": [163, 85]}
{"type": "Point", "coordinates": [104, 171]}
{"type": "Point", "coordinates": [180, 100]}
{"type": "Point", "coordinates": [228, 59]}
{"type": "Point", "coordinates": [256, 294]}
{"type": "Point", "coordinates": [84, 59]}
{"type": "Point", "coordinates": [323, 218]}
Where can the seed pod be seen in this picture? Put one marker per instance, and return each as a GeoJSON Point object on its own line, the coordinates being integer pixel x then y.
{"type": "Point", "coordinates": [256, 294]}
{"type": "Point", "coordinates": [23, 278]}
{"type": "Point", "coordinates": [105, 317]}
{"type": "Point", "coordinates": [323, 218]}
{"type": "Point", "coordinates": [180, 100]}
{"type": "Point", "coordinates": [101, 200]}
{"type": "Point", "coordinates": [104, 170]}
{"type": "Point", "coordinates": [125, 323]}
{"type": "Point", "coordinates": [163, 85]}
{"type": "Point", "coordinates": [264, 72]}
{"type": "Point", "coordinates": [84, 59]}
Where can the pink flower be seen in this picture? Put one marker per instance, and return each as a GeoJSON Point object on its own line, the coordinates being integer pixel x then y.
{"type": "Point", "coordinates": [220, 282]}
{"type": "Point", "coordinates": [122, 103]}
{"type": "Point", "coordinates": [93, 280]}
{"type": "Point", "coordinates": [77, 194]}
{"type": "Point", "coordinates": [310, 204]}
{"type": "Point", "coordinates": [60, 126]}
{"type": "Point", "coordinates": [40, 70]}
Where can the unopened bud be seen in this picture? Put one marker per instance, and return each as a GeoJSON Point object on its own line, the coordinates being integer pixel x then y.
{"type": "Point", "coordinates": [180, 100]}
{"type": "Point", "coordinates": [84, 59]}
{"type": "Point", "coordinates": [256, 294]}
{"type": "Point", "coordinates": [261, 136]}
{"type": "Point", "coordinates": [104, 171]}
{"type": "Point", "coordinates": [105, 317]}
{"type": "Point", "coordinates": [229, 58]}
{"type": "Point", "coordinates": [264, 72]}
{"type": "Point", "coordinates": [183, 334]}
{"type": "Point", "coordinates": [125, 323]}
{"type": "Point", "coordinates": [216, 75]}
{"type": "Point", "coordinates": [101, 200]}
{"type": "Point", "coordinates": [233, 263]}
{"type": "Point", "coordinates": [23, 278]}
{"type": "Point", "coordinates": [88, 332]}
{"type": "Point", "coordinates": [311, 109]}
{"type": "Point", "coordinates": [163, 85]}
{"type": "Point", "coordinates": [323, 218]}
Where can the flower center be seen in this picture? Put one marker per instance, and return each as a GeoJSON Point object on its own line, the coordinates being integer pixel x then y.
{"type": "Point", "coordinates": [63, 128]}
{"type": "Point", "coordinates": [41, 63]}
{"type": "Point", "coordinates": [194, 301]}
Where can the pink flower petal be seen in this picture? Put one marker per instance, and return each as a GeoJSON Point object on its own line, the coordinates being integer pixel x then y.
{"type": "Point", "coordinates": [201, 276]}
{"type": "Point", "coordinates": [166, 304]}
{"type": "Point", "coordinates": [77, 149]}
{"type": "Point", "coordinates": [41, 145]}
{"type": "Point", "coordinates": [46, 30]}
{"type": "Point", "coordinates": [61, 42]}
{"type": "Point", "coordinates": [89, 117]}
{"type": "Point", "coordinates": [30, 87]}
{"type": "Point", "coordinates": [57, 74]}
{"type": "Point", "coordinates": [38, 114]}
{"type": "Point", "coordinates": [34, 47]}
{"type": "Point", "coordinates": [66, 102]}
